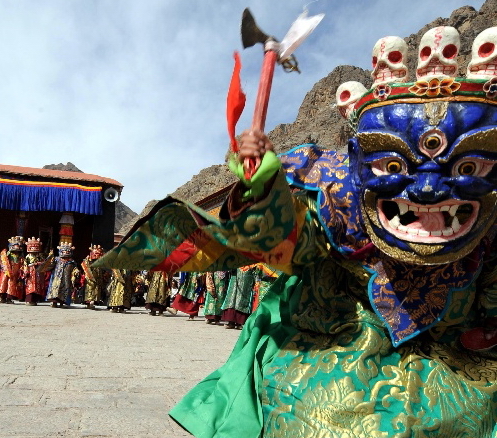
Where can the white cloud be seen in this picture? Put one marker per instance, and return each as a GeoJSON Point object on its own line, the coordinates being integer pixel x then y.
{"type": "Point", "coordinates": [136, 91]}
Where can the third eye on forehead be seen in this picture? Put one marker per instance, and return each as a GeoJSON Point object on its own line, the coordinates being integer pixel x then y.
{"type": "Point", "coordinates": [432, 142]}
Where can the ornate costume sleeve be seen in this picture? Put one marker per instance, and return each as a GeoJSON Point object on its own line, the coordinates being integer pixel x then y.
{"type": "Point", "coordinates": [5, 264]}
{"type": "Point", "coordinates": [48, 264]}
{"type": "Point", "coordinates": [178, 236]}
{"type": "Point", "coordinates": [87, 269]}
{"type": "Point", "coordinates": [209, 283]}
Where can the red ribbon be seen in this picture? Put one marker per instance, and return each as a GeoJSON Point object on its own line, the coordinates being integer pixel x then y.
{"type": "Point", "coordinates": [235, 102]}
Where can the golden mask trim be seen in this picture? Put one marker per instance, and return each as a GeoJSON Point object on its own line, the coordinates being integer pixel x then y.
{"type": "Point", "coordinates": [481, 141]}
{"type": "Point", "coordinates": [424, 256]}
{"type": "Point", "coordinates": [435, 112]}
{"type": "Point", "coordinates": [380, 142]}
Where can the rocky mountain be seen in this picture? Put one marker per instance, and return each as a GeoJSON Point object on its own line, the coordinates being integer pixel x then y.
{"type": "Point", "coordinates": [68, 167]}
{"type": "Point", "coordinates": [124, 214]}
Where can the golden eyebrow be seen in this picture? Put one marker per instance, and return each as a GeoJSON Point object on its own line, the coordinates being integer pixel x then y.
{"type": "Point", "coordinates": [481, 141]}
{"type": "Point", "coordinates": [383, 142]}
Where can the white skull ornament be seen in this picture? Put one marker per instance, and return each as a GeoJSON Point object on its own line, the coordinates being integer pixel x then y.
{"type": "Point", "coordinates": [389, 55]}
{"type": "Point", "coordinates": [438, 52]}
{"type": "Point", "coordinates": [347, 95]}
{"type": "Point", "coordinates": [483, 64]}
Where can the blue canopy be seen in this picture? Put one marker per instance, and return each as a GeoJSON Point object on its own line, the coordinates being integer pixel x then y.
{"type": "Point", "coordinates": [49, 196]}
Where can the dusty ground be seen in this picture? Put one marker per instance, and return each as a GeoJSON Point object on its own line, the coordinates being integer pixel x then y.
{"type": "Point", "coordinates": [81, 373]}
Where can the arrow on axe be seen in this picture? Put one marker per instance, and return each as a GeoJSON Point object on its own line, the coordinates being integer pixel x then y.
{"type": "Point", "coordinates": [274, 52]}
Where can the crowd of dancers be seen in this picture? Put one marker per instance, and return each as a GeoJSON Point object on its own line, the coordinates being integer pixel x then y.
{"type": "Point", "coordinates": [227, 297]}
{"type": "Point", "coordinates": [30, 276]}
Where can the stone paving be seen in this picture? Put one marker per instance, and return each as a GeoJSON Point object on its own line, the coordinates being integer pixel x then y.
{"type": "Point", "coordinates": [80, 373]}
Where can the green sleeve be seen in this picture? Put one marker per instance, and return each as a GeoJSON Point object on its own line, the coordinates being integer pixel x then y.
{"type": "Point", "coordinates": [178, 236]}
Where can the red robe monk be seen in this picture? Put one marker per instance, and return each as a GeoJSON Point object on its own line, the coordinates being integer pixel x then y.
{"type": "Point", "coordinates": [34, 280]}
{"type": "Point", "coordinates": [11, 262]}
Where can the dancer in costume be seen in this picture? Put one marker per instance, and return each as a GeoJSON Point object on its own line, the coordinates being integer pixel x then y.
{"type": "Point", "coordinates": [120, 290]}
{"type": "Point", "coordinates": [190, 295]}
{"type": "Point", "coordinates": [34, 280]}
{"type": "Point", "coordinates": [264, 278]}
{"type": "Point", "coordinates": [63, 277]}
{"type": "Point", "coordinates": [216, 286]}
{"type": "Point", "coordinates": [78, 294]}
{"type": "Point", "coordinates": [140, 290]}
{"type": "Point", "coordinates": [237, 305]}
{"type": "Point", "coordinates": [11, 262]}
{"type": "Point", "coordinates": [95, 279]}
{"type": "Point", "coordinates": [382, 324]}
{"type": "Point", "coordinates": [159, 293]}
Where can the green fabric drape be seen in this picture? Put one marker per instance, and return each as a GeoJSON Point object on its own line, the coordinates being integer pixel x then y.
{"type": "Point", "coordinates": [227, 401]}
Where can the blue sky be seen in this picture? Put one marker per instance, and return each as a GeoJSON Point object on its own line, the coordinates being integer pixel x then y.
{"type": "Point", "coordinates": [135, 90]}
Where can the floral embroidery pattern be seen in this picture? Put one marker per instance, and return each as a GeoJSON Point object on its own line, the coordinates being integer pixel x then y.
{"type": "Point", "coordinates": [410, 299]}
{"type": "Point", "coordinates": [318, 388]}
{"type": "Point", "coordinates": [381, 92]}
{"type": "Point", "coordinates": [490, 88]}
{"type": "Point", "coordinates": [435, 87]}
{"type": "Point", "coordinates": [315, 168]}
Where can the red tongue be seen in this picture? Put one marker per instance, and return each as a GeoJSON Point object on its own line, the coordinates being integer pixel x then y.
{"type": "Point", "coordinates": [429, 221]}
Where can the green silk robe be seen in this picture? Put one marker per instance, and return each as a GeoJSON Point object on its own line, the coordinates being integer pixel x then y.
{"type": "Point", "coordinates": [316, 360]}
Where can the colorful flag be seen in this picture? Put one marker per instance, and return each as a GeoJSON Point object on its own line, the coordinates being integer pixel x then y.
{"type": "Point", "coordinates": [235, 102]}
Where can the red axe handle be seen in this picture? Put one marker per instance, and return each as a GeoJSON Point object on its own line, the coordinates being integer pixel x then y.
{"type": "Point", "coordinates": [262, 100]}
{"type": "Point", "coordinates": [261, 103]}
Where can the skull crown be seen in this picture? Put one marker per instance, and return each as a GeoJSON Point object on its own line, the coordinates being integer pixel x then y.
{"type": "Point", "coordinates": [483, 64]}
{"type": "Point", "coordinates": [389, 55]}
{"type": "Point", "coordinates": [436, 69]}
{"type": "Point", "coordinates": [347, 94]}
{"type": "Point", "coordinates": [15, 243]}
{"type": "Point", "coordinates": [438, 50]}
{"type": "Point", "coordinates": [65, 248]}
{"type": "Point", "coordinates": [96, 251]}
{"type": "Point", "coordinates": [33, 245]}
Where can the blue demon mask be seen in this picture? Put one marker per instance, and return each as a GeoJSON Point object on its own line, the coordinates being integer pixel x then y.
{"type": "Point", "coordinates": [16, 244]}
{"type": "Point", "coordinates": [65, 250]}
{"type": "Point", "coordinates": [426, 176]}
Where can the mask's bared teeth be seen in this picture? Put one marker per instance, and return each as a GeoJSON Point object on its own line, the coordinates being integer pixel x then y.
{"type": "Point", "coordinates": [394, 222]}
{"type": "Point", "coordinates": [453, 210]}
{"type": "Point", "coordinates": [403, 208]}
{"type": "Point", "coordinates": [456, 226]}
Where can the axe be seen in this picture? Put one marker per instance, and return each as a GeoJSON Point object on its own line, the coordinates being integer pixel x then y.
{"type": "Point", "coordinates": [274, 52]}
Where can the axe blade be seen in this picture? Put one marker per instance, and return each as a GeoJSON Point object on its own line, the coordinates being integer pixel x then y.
{"type": "Point", "coordinates": [251, 34]}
